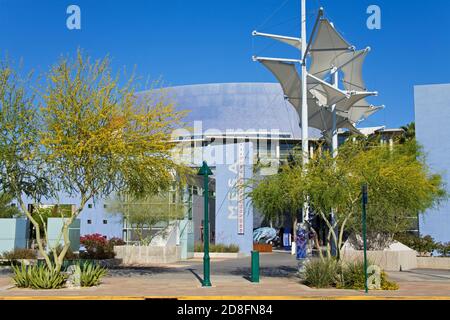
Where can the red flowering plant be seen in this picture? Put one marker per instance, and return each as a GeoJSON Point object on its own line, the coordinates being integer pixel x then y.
{"type": "Point", "coordinates": [98, 246]}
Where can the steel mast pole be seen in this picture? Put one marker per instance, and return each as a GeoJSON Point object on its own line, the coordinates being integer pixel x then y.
{"type": "Point", "coordinates": [334, 142]}
{"type": "Point", "coordinates": [304, 118]}
{"type": "Point", "coordinates": [334, 147]}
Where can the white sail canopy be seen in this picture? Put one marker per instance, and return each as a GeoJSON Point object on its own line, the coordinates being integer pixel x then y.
{"type": "Point", "coordinates": [351, 63]}
{"type": "Point", "coordinates": [326, 46]}
{"type": "Point", "coordinates": [360, 111]}
{"type": "Point", "coordinates": [355, 97]}
{"type": "Point", "coordinates": [320, 117]}
{"type": "Point", "coordinates": [330, 53]}
{"type": "Point", "coordinates": [292, 41]}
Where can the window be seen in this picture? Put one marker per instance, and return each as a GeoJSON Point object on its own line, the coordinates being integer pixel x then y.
{"type": "Point", "coordinates": [105, 206]}
{"type": "Point", "coordinates": [89, 222]}
{"type": "Point", "coordinates": [90, 206]}
{"type": "Point", "coordinates": [105, 221]}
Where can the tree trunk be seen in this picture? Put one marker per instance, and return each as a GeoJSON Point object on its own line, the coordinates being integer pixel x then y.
{"type": "Point", "coordinates": [38, 232]}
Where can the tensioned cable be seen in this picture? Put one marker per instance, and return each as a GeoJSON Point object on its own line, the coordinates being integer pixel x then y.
{"type": "Point", "coordinates": [273, 14]}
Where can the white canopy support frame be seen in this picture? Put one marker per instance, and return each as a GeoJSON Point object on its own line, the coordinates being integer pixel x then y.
{"type": "Point", "coordinates": [331, 55]}
{"type": "Point", "coordinates": [292, 41]}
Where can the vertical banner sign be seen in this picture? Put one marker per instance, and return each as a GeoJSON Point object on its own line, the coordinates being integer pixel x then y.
{"type": "Point", "coordinates": [240, 186]}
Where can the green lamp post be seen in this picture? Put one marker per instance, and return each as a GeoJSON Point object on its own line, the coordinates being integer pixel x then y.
{"type": "Point", "coordinates": [365, 201]}
{"type": "Point", "coordinates": [205, 171]}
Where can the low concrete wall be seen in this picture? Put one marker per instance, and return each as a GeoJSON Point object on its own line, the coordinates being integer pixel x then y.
{"type": "Point", "coordinates": [387, 260]}
{"type": "Point", "coordinates": [221, 255]}
{"type": "Point", "coordinates": [433, 263]}
{"type": "Point", "coordinates": [141, 255]}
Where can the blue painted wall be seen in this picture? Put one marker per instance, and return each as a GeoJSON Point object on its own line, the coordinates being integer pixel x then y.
{"type": "Point", "coordinates": [432, 104]}
{"type": "Point", "coordinates": [13, 234]}
{"type": "Point", "coordinates": [226, 175]}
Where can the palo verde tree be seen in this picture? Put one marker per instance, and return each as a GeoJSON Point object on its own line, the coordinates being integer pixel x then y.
{"type": "Point", "coordinates": [89, 138]}
{"type": "Point", "coordinates": [22, 167]}
{"type": "Point", "coordinates": [399, 182]}
{"type": "Point", "coordinates": [99, 138]}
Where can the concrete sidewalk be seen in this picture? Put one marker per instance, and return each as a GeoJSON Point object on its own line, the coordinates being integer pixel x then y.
{"type": "Point", "coordinates": [230, 279]}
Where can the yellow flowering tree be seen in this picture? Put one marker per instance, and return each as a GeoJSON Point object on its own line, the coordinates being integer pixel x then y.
{"type": "Point", "coordinates": [90, 137]}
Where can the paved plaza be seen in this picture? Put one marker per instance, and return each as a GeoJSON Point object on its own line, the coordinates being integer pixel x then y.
{"type": "Point", "coordinates": [230, 278]}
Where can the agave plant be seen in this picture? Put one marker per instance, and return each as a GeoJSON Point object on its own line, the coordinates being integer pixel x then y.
{"type": "Point", "coordinates": [38, 277]}
{"type": "Point", "coordinates": [21, 276]}
{"type": "Point", "coordinates": [91, 274]}
{"type": "Point", "coordinates": [43, 278]}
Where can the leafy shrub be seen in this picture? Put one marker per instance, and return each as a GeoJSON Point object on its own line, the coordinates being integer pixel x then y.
{"type": "Point", "coordinates": [116, 242]}
{"type": "Point", "coordinates": [38, 277]}
{"type": "Point", "coordinates": [423, 245]}
{"type": "Point", "coordinates": [444, 249]}
{"type": "Point", "coordinates": [321, 273]}
{"type": "Point", "coordinates": [19, 254]}
{"type": "Point", "coordinates": [91, 274]}
{"type": "Point", "coordinates": [329, 273]}
{"type": "Point", "coordinates": [352, 277]}
{"type": "Point", "coordinates": [218, 248]}
{"type": "Point", "coordinates": [98, 247]}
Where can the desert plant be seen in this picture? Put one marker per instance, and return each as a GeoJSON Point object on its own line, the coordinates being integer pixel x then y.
{"type": "Point", "coordinates": [38, 277]}
{"type": "Point", "coordinates": [19, 254]}
{"type": "Point", "coordinates": [88, 135]}
{"type": "Point", "coordinates": [352, 277]}
{"type": "Point", "coordinates": [21, 276]}
{"type": "Point", "coordinates": [91, 274]}
{"type": "Point", "coordinates": [400, 184]}
{"type": "Point", "coordinates": [321, 273]}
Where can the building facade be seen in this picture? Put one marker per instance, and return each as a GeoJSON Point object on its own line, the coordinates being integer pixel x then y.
{"type": "Point", "coordinates": [243, 131]}
{"type": "Point", "coordinates": [432, 108]}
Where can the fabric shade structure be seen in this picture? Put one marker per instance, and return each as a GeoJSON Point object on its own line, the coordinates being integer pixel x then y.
{"type": "Point", "coordinates": [351, 64]}
{"type": "Point", "coordinates": [360, 111]}
{"type": "Point", "coordinates": [292, 41]}
{"type": "Point", "coordinates": [330, 53]}
{"type": "Point", "coordinates": [326, 46]}
{"type": "Point", "coordinates": [320, 117]}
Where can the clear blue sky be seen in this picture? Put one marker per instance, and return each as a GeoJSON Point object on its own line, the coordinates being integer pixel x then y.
{"type": "Point", "coordinates": [206, 41]}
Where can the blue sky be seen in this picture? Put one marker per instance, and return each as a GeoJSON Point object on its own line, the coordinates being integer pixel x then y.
{"type": "Point", "coordinates": [206, 41]}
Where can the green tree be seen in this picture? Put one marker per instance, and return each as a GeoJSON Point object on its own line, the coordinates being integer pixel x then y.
{"type": "Point", "coordinates": [89, 138]}
{"type": "Point", "coordinates": [99, 138]}
{"type": "Point", "coordinates": [409, 132]}
{"type": "Point", "coordinates": [22, 168]}
{"type": "Point", "coordinates": [399, 182]}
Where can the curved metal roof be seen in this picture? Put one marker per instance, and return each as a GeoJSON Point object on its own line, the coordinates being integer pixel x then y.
{"type": "Point", "coordinates": [255, 107]}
